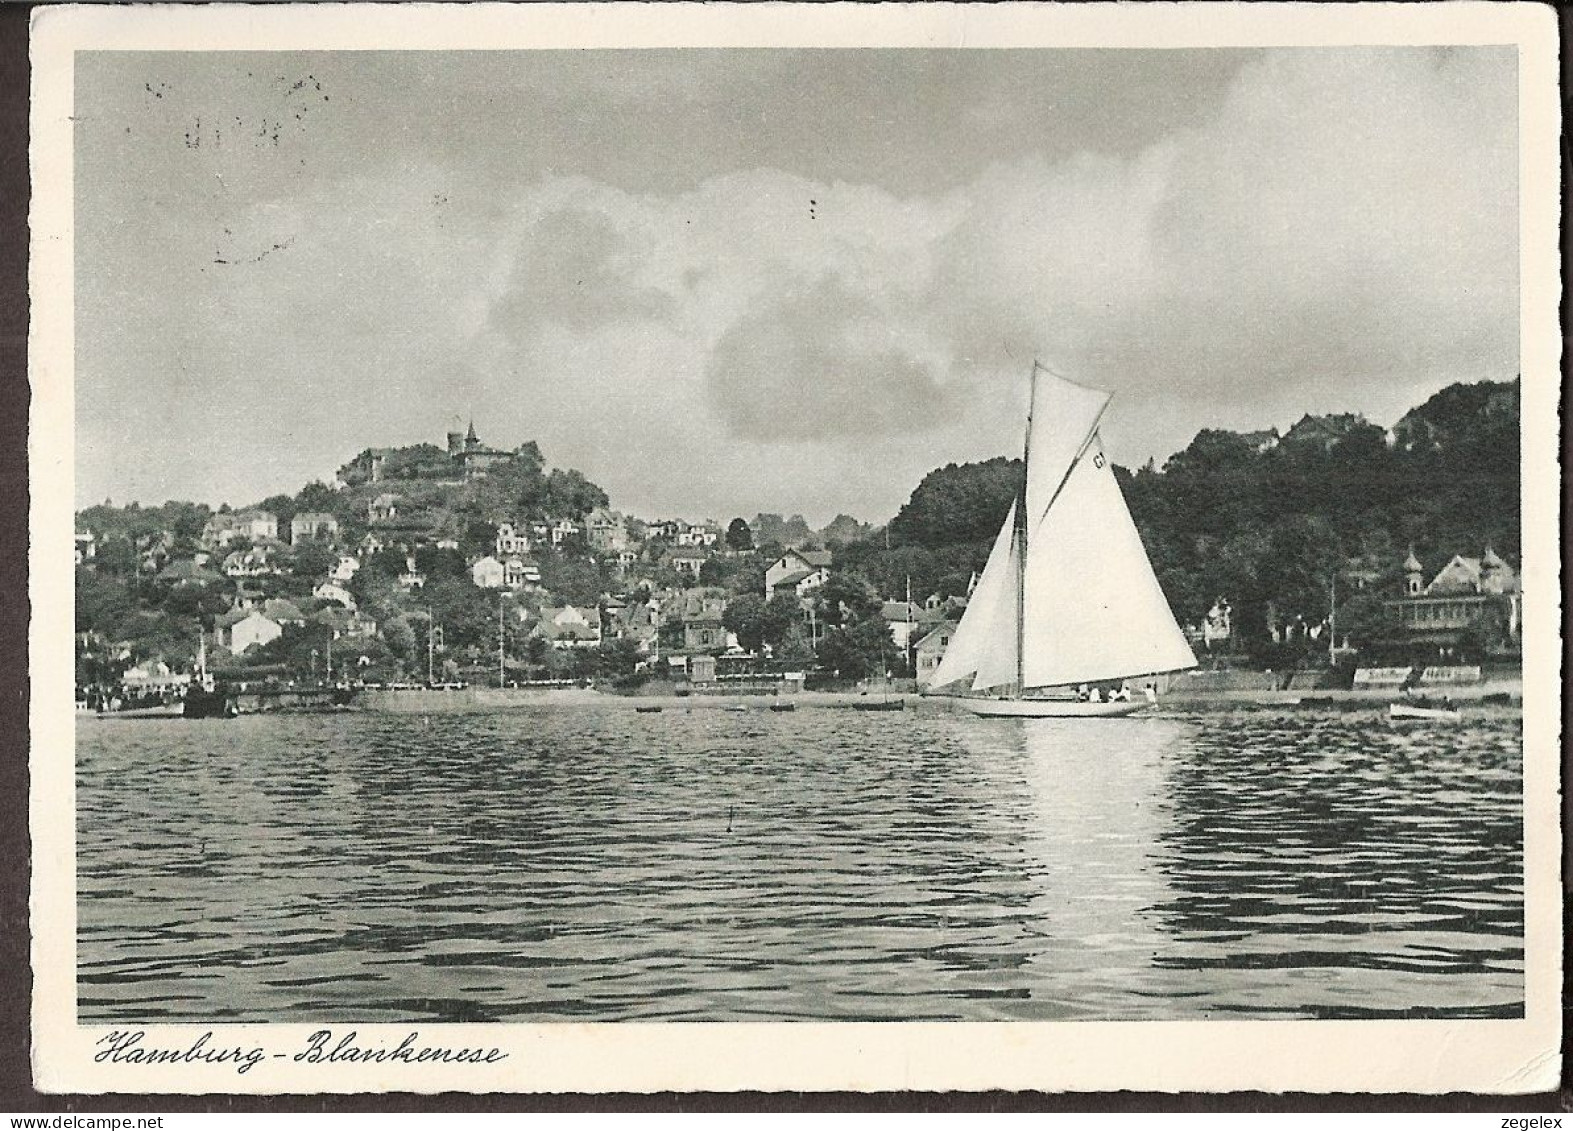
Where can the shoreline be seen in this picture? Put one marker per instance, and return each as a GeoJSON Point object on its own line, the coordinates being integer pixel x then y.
{"type": "Point", "coordinates": [1471, 700]}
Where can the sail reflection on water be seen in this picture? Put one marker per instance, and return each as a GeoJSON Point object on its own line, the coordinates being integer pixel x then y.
{"type": "Point", "coordinates": [1098, 810]}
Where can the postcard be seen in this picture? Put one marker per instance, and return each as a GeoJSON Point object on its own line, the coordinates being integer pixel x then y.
{"type": "Point", "coordinates": [699, 547]}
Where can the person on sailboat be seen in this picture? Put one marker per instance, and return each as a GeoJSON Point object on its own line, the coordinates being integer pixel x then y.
{"type": "Point", "coordinates": [1095, 696]}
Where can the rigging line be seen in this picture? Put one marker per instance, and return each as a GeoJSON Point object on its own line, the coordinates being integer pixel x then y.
{"type": "Point", "coordinates": [1092, 434]}
{"type": "Point", "coordinates": [1018, 538]}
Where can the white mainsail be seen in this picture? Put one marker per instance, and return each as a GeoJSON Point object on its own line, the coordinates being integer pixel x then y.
{"type": "Point", "coordinates": [984, 644]}
{"type": "Point", "coordinates": [1068, 595]}
{"type": "Point", "coordinates": [1092, 607]}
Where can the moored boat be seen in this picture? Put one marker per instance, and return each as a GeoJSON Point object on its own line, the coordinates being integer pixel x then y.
{"type": "Point", "coordinates": [1068, 597]}
{"type": "Point", "coordinates": [1418, 712]}
{"type": "Point", "coordinates": [171, 710]}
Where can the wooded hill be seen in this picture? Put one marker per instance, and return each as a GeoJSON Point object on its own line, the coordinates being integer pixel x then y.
{"type": "Point", "coordinates": [1268, 522]}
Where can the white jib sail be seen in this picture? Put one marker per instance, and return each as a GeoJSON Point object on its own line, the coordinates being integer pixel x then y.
{"type": "Point", "coordinates": [984, 644]}
{"type": "Point", "coordinates": [1064, 416]}
{"type": "Point", "coordinates": [1093, 609]}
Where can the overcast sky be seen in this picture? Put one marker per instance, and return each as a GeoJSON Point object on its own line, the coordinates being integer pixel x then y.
{"type": "Point", "coordinates": [729, 281]}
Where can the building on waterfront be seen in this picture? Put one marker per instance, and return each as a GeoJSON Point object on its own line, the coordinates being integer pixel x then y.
{"type": "Point", "coordinates": [1470, 602]}
{"type": "Point", "coordinates": [154, 677]}
{"type": "Point", "coordinates": [698, 613]}
{"type": "Point", "coordinates": [930, 650]}
{"type": "Point", "coordinates": [640, 623]}
{"type": "Point", "coordinates": [904, 620]}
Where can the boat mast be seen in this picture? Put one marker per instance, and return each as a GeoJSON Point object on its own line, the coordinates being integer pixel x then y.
{"type": "Point", "coordinates": [1021, 537]}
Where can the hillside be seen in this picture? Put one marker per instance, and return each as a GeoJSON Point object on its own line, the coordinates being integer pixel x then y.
{"type": "Point", "coordinates": [1263, 521]}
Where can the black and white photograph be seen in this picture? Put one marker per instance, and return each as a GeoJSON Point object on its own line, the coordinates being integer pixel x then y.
{"type": "Point", "coordinates": [823, 520]}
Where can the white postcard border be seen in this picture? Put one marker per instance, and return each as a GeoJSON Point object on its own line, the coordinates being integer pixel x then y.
{"type": "Point", "coordinates": [1418, 1056]}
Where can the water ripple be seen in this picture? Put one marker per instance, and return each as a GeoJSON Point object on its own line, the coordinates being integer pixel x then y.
{"type": "Point", "coordinates": [604, 865]}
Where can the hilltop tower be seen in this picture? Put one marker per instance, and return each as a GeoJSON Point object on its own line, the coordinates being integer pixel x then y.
{"type": "Point", "coordinates": [455, 437]}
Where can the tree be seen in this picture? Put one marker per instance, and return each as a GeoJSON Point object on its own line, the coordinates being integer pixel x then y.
{"type": "Point", "coordinates": [783, 616]}
{"type": "Point", "coordinates": [859, 650]}
{"type": "Point", "coordinates": [739, 536]}
{"type": "Point", "coordinates": [717, 571]}
{"type": "Point", "coordinates": [313, 560]}
{"type": "Point", "coordinates": [317, 496]}
{"type": "Point", "coordinates": [846, 598]}
{"type": "Point", "coordinates": [574, 581]}
{"type": "Point", "coordinates": [570, 493]}
{"type": "Point", "coordinates": [744, 617]}
{"type": "Point", "coordinates": [958, 503]}
{"type": "Point", "coordinates": [432, 562]}
{"type": "Point", "coordinates": [617, 658]}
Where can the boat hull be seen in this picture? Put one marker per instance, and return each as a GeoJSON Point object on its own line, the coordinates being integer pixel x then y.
{"type": "Point", "coordinates": [1403, 712]}
{"type": "Point", "coordinates": [1052, 708]}
{"type": "Point", "coordinates": [162, 711]}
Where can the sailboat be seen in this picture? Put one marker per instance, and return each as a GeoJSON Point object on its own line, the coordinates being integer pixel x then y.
{"type": "Point", "coordinates": [1068, 596]}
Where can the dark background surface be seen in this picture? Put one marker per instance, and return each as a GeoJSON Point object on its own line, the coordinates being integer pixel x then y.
{"type": "Point", "coordinates": [16, 1092]}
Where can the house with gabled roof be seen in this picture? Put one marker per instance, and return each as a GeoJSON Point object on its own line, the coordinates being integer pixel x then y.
{"type": "Point", "coordinates": [795, 567]}
{"type": "Point", "coordinates": [930, 650]}
{"type": "Point", "coordinates": [252, 630]}
{"type": "Point", "coordinates": [687, 559]}
{"type": "Point", "coordinates": [1467, 596]}
{"type": "Point", "coordinates": [569, 627]}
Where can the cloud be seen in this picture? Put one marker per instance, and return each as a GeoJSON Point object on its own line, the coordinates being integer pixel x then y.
{"type": "Point", "coordinates": [1339, 233]}
{"type": "Point", "coordinates": [1342, 230]}
{"type": "Point", "coordinates": [824, 362]}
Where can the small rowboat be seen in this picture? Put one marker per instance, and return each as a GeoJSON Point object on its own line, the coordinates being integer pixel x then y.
{"type": "Point", "coordinates": [880, 705]}
{"type": "Point", "coordinates": [783, 706]}
{"type": "Point", "coordinates": [1414, 712]}
{"type": "Point", "coordinates": [648, 710]}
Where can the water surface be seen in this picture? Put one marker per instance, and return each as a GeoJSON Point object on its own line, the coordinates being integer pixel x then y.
{"type": "Point", "coordinates": [598, 864]}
